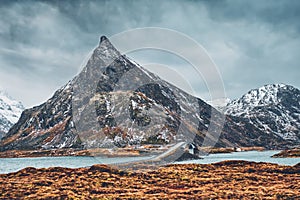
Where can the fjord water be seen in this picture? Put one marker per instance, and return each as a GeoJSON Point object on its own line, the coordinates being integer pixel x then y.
{"type": "Point", "coordinates": [256, 156]}
{"type": "Point", "coordinates": [8, 165]}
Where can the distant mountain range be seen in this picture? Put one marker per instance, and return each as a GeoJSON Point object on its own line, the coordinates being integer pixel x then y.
{"type": "Point", "coordinates": [115, 102]}
{"type": "Point", "coordinates": [219, 104]}
{"type": "Point", "coordinates": [10, 111]}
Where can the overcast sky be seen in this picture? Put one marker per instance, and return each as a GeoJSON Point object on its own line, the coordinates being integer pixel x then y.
{"type": "Point", "coordinates": [43, 43]}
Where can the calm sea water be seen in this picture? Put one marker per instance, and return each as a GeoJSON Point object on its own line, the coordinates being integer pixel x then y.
{"type": "Point", "coordinates": [14, 164]}
{"type": "Point", "coordinates": [256, 156]}
{"type": "Point", "coordinates": [8, 165]}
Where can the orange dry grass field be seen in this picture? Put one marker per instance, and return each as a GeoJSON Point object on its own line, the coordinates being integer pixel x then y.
{"type": "Point", "coordinates": [224, 180]}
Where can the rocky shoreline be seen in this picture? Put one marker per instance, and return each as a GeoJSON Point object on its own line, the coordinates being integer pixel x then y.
{"type": "Point", "coordinates": [231, 149]}
{"type": "Point", "coordinates": [291, 153]}
{"type": "Point", "coordinates": [79, 152]}
{"type": "Point", "coordinates": [96, 152]}
{"type": "Point", "coordinates": [224, 180]}
{"type": "Point", "coordinates": [43, 153]}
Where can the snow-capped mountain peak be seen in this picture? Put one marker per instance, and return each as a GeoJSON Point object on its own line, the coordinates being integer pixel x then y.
{"type": "Point", "coordinates": [263, 96]}
{"type": "Point", "coordinates": [272, 108]}
{"type": "Point", "coordinates": [10, 111]}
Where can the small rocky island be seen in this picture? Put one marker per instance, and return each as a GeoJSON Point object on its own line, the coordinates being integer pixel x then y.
{"type": "Point", "coordinates": [291, 153]}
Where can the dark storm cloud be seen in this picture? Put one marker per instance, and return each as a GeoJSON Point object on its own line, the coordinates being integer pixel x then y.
{"type": "Point", "coordinates": [278, 14]}
{"type": "Point", "coordinates": [43, 43]}
{"type": "Point", "coordinates": [39, 50]}
{"type": "Point", "coordinates": [109, 16]}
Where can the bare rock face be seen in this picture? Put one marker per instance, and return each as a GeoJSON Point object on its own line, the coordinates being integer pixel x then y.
{"type": "Point", "coordinates": [115, 102]}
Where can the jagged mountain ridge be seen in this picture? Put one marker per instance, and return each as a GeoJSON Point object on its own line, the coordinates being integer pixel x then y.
{"type": "Point", "coordinates": [10, 111]}
{"type": "Point", "coordinates": [114, 102]}
{"type": "Point", "coordinates": [273, 108]}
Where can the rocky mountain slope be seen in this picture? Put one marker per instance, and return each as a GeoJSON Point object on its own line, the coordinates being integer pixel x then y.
{"type": "Point", "coordinates": [274, 109]}
{"type": "Point", "coordinates": [10, 111]}
{"type": "Point", "coordinates": [115, 102]}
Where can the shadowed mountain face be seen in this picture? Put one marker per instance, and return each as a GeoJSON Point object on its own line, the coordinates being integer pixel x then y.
{"type": "Point", "coordinates": [114, 102]}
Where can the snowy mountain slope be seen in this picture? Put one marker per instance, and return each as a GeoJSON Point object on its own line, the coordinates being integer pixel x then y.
{"type": "Point", "coordinates": [274, 109]}
{"type": "Point", "coordinates": [10, 111]}
{"type": "Point", "coordinates": [219, 104]}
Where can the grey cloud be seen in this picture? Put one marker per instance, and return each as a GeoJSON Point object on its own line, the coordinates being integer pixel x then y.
{"type": "Point", "coordinates": [277, 14]}
{"type": "Point", "coordinates": [44, 42]}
